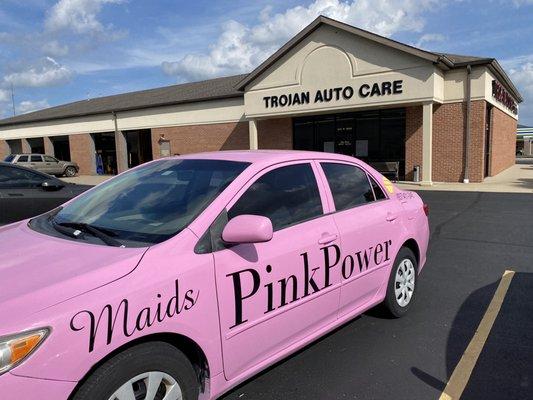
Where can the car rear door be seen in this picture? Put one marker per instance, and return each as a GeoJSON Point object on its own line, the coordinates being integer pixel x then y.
{"type": "Point", "coordinates": [37, 163]}
{"type": "Point", "coordinates": [23, 160]}
{"type": "Point", "coordinates": [274, 294]}
{"type": "Point", "coordinates": [369, 226]}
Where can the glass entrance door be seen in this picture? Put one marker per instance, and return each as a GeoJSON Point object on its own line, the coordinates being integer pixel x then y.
{"type": "Point", "coordinates": [372, 136]}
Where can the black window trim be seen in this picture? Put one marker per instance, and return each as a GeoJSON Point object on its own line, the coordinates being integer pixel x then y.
{"type": "Point", "coordinates": [387, 197]}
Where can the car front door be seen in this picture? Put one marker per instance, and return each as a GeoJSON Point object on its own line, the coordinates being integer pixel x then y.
{"type": "Point", "coordinates": [276, 293]}
{"type": "Point", "coordinates": [369, 227]}
{"type": "Point", "coordinates": [52, 166]}
{"type": "Point", "coordinates": [22, 196]}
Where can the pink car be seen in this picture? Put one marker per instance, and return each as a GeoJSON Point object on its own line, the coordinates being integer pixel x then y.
{"type": "Point", "coordinates": [183, 277]}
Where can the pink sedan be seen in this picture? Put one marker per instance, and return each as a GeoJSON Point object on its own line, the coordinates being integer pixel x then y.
{"type": "Point", "coordinates": [183, 277]}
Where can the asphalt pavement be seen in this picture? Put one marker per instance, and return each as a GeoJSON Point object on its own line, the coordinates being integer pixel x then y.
{"type": "Point", "coordinates": [475, 238]}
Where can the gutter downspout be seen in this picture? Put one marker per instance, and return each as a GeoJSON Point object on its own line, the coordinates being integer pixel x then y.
{"type": "Point", "coordinates": [467, 128]}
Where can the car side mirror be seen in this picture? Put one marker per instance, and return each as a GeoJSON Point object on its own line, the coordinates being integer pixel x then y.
{"type": "Point", "coordinates": [248, 229]}
{"type": "Point", "coordinates": [51, 185]}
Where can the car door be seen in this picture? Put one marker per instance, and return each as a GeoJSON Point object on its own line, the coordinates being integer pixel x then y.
{"type": "Point", "coordinates": [273, 294]}
{"type": "Point", "coordinates": [369, 227]}
{"type": "Point", "coordinates": [23, 160]}
{"type": "Point", "coordinates": [37, 163]}
{"type": "Point", "coordinates": [22, 195]}
{"type": "Point", "coordinates": [52, 165]}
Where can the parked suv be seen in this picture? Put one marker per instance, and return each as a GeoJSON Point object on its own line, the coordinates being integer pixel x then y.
{"type": "Point", "coordinates": [44, 163]}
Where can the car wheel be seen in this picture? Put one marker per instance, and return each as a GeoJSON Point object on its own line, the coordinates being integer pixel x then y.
{"type": "Point", "coordinates": [402, 283]}
{"type": "Point", "coordinates": [154, 370]}
{"type": "Point", "coordinates": [70, 171]}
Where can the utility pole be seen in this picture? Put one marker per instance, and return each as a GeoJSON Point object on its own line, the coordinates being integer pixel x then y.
{"type": "Point", "coordinates": [13, 99]}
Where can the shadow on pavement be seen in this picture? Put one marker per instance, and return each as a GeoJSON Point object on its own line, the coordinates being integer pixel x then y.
{"type": "Point", "coordinates": [504, 369]}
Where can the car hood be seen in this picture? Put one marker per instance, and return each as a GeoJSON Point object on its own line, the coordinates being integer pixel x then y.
{"type": "Point", "coordinates": [38, 271]}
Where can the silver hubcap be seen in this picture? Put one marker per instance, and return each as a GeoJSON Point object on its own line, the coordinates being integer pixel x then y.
{"type": "Point", "coordinates": [404, 282]}
{"type": "Point", "coordinates": [152, 385]}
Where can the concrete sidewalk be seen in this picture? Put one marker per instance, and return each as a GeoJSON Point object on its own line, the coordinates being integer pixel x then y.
{"type": "Point", "coordinates": [87, 179]}
{"type": "Point", "coordinates": [516, 179]}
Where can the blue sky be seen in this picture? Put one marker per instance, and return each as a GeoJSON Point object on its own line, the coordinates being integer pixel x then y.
{"type": "Point", "coordinates": [57, 51]}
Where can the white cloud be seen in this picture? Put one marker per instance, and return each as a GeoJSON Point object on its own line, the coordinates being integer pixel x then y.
{"type": "Point", "coordinates": [29, 106]}
{"type": "Point", "coordinates": [519, 3]}
{"type": "Point", "coordinates": [430, 38]}
{"type": "Point", "coordinates": [5, 95]}
{"type": "Point", "coordinates": [78, 16]}
{"type": "Point", "coordinates": [523, 78]}
{"type": "Point", "coordinates": [55, 49]}
{"type": "Point", "coordinates": [241, 47]}
{"type": "Point", "coordinates": [47, 72]}
{"type": "Point", "coordinates": [520, 69]}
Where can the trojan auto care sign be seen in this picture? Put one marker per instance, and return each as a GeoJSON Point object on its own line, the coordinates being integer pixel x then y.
{"type": "Point", "coordinates": [501, 95]}
{"type": "Point", "coordinates": [364, 91]}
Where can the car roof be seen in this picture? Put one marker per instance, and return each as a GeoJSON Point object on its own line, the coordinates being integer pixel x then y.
{"type": "Point", "coordinates": [265, 156]}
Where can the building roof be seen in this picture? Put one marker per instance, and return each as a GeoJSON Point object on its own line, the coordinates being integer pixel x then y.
{"type": "Point", "coordinates": [212, 89]}
{"type": "Point", "coordinates": [445, 61]}
{"type": "Point", "coordinates": [233, 86]}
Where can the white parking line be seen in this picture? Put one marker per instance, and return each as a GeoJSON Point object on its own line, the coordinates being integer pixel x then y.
{"type": "Point", "coordinates": [461, 374]}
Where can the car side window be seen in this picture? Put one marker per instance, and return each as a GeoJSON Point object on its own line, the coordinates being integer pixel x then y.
{"type": "Point", "coordinates": [36, 159]}
{"type": "Point", "coordinates": [349, 185]}
{"type": "Point", "coordinates": [22, 159]}
{"type": "Point", "coordinates": [19, 178]}
{"type": "Point", "coordinates": [287, 195]}
{"type": "Point", "coordinates": [49, 159]}
{"type": "Point", "coordinates": [378, 192]}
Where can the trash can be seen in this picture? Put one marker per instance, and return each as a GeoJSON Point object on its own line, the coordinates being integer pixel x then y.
{"type": "Point", "coordinates": [416, 173]}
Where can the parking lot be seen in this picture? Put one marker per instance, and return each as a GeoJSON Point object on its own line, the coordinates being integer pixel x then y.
{"type": "Point", "coordinates": [475, 238]}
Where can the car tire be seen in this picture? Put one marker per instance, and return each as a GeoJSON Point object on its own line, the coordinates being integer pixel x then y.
{"type": "Point", "coordinates": [402, 283]}
{"type": "Point", "coordinates": [70, 172]}
{"type": "Point", "coordinates": [138, 370]}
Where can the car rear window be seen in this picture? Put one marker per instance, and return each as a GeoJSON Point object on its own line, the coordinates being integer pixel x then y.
{"type": "Point", "coordinates": [287, 195]}
{"type": "Point", "coordinates": [349, 185]}
{"type": "Point", "coordinates": [378, 191]}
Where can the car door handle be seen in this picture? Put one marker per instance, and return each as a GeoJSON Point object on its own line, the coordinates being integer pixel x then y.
{"type": "Point", "coordinates": [327, 238]}
{"type": "Point", "coordinates": [391, 217]}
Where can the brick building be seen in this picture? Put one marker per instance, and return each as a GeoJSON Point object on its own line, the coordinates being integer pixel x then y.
{"type": "Point", "coordinates": [333, 87]}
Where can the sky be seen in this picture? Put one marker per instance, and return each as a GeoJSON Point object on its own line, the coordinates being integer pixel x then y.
{"type": "Point", "coordinates": [57, 51]}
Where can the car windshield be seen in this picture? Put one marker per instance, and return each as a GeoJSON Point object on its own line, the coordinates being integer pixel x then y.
{"type": "Point", "coordinates": [151, 203]}
{"type": "Point", "coordinates": [9, 158]}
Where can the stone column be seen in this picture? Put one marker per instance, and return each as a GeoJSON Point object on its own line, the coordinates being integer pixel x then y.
{"type": "Point", "coordinates": [121, 149]}
{"type": "Point", "coordinates": [26, 148]}
{"type": "Point", "coordinates": [82, 151]}
{"type": "Point", "coordinates": [5, 150]}
{"type": "Point", "coordinates": [252, 131]}
{"type": "Point", "coordinates": [427, 143]}
{"type": "Point", "coordinates": [48, 146]}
